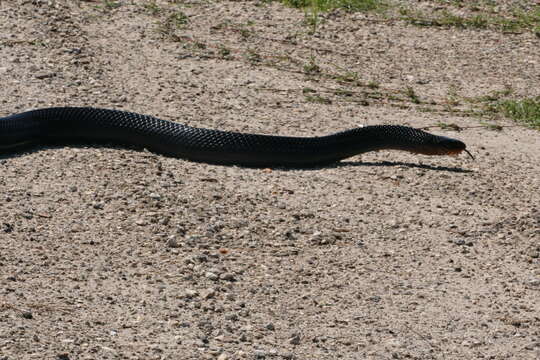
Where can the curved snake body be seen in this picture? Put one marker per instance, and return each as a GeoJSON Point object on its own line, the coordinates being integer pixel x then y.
{"type": "Point", "coordinates": [78, 124]}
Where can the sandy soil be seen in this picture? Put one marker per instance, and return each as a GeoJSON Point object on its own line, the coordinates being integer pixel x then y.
{"type": "Point", "coordinates": [110, 253]}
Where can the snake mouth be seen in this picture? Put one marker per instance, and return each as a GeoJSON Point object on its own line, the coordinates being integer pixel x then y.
{"type": "Point", "coordinates": [454, 147]}
{"type": "Point", "coordinates": [449, 146]}
{"type": "Point", "coordinates": [456, 152]}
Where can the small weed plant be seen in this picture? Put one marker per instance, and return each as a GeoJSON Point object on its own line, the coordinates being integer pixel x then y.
{"type": "Point", "coordinates": [523, 110]}
{"type": "Point", "coordinates": [347, 5]}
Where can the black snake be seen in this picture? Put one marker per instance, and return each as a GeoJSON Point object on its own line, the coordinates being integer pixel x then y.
{"type": "Point", "coordinates": [77, 124]}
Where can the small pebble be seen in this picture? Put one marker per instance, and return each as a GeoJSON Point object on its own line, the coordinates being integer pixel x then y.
{"type": "Point", "coordinates": [316, 237]}
{"type": "Point", "coordinates": [211, 276]}
{"type": "Point", "coordinates": [208, 294]}
{"type": "Point", "coordinates": [188, 293]}
{"type": "Point", "coordinates": [228, 277]}
{"type": "Point", "coordinates": [259, 354]}
{"type": "Point", "coordinates": [27, 315]}
{"type": "Point", "coordinates": [172, 242]}
{"type": "Point", "coordinates": [44, 75]}
{"type": "Point", "coordinates": [295, 340]}
{"type": "Point", "coordinates": [98, 205]}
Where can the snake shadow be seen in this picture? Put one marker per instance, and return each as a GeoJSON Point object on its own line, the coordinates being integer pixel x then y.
{"type": "Point", "coordinates": [34, 148]}
{"type": "Point", "coordinates": [385, 163]}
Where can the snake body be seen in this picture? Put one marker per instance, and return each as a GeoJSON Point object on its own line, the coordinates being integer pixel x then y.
{"type": "Point", "coordinates": [63, 125]}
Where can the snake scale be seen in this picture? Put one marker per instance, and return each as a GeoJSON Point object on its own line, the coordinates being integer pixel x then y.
{"type": "Point", "coordinates": [65, 125]}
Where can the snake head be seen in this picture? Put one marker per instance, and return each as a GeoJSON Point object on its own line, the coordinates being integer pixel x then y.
{"type": "Point", "coordinates": [449, 146]}
{"type": "Point", "coordinates": [430, 144]}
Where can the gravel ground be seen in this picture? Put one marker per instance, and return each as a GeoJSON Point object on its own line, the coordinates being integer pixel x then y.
{"type": "Point", "coordinates": [113, 253]}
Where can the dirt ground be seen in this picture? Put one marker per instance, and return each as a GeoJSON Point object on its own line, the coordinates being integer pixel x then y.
{"type": "Point", "coordinates": [112, 253]}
